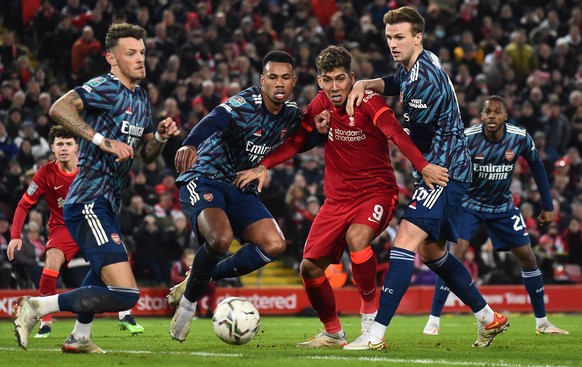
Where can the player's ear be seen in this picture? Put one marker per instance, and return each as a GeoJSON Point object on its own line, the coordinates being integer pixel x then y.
{"type": "Point", "coordinates": [110, 59]}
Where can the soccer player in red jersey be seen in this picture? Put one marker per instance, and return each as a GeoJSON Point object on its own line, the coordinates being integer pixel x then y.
{"type": "Point", "coordinates": [53, 181]}
{"type": "Point", "coordinates": [360, 188]}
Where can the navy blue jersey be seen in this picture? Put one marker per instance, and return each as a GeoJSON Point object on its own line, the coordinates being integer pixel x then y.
{"type": "Point", "coordinates": [118, 114]}
{"type": "Point", "coordinates": [247, 133]}
{"type": "Point", "coordinates": [493, 165]}
{"type": "Point", "coordinates": [430, 107]}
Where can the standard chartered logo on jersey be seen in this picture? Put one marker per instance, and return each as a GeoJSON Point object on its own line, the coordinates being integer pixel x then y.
{"type": "Point", "coordinates": [493, 171]}
{"type": "Point", "coordinates": [346, 135]}
{"type": "Point", "coordinates": [133, 133]}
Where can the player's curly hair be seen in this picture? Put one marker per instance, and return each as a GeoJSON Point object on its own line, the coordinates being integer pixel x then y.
{"type": "Point", "coordinates": [59, 131]}
{"type": "Point", "coordinates": [123, 30]}
{"type": "Point", "coordinates": [406, 14]}
{"type": "Point", "coordinates": [333, 57]}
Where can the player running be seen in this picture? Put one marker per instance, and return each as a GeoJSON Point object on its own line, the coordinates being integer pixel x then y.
{"type": "Point", "coordinates": [113, 115]}
{"type": "Point", "coordinates": [495, 148]}
{"type": "Point", "coordinates": [53, 181]}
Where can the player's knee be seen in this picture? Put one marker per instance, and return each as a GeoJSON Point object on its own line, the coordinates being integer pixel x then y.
{"type": "Point", "coordinates": [220, 242]}
{"type": "Point", "coordinates": [125, 298]}
{"type": "Point", "coordinates": [309, 270]}
{"type": "Point", "coordinates": [274, 246]}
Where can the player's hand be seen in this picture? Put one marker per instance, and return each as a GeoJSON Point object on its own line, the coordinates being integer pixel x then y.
{"type": "Point", "coordinates": [356, 96]}
{"type": "Point", "coordinates": [435, 175]}
{"type": "Point", "coordinates": [546, 217]}
{"type": "Point", "coordinates": [167, 128]}
{"type": "Point", "coordinates": [120, 149]}
{"type": "Point", "coordinates": [244, 177]}
{"type": "Point", "coordinates": [185, 158]}
{"type": "Point", "coordinates": [322, 121]}
{"type": "Point", "coordinates": [14, 244]}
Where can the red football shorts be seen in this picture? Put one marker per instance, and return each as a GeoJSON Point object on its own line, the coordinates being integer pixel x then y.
{"type": "Point", "coordinates": [327, 237]}
{"type": "Point", "coordinates": [60, 238]}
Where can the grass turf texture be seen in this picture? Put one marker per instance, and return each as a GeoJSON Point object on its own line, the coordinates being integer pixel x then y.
{"type": "Point", "coordinates": [275, 345]}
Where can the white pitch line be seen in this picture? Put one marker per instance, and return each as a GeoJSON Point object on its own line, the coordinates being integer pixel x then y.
{"type": "Point", "coordinates": [426, 361]}
{"type": "Point", "coordinates": [323, 357]}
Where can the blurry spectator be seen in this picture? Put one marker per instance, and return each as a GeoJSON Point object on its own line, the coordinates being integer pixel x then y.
{"type": "Point", "coordinates": [546, 253]}
{"type": "Point", "coordinates": [571, 239]}
{"type": "Point", "coordinates": [181, 238]}
{"type": "Point", "coordinates": [174, 30]}
{"type": "Point", "coordinates": [13, 122]}
{"type": "Point", "coordinates": [521, 56]}
{"type": "Point", "coordinates": [492, 266]}
{"type": "Point", "coordinates": [39, 145]}
{"type": "Point", "coordinates": [181, 267]}
{"type": "Point", "coordinates": [141, 188]}
{"type": "Point", "coordinates": [166, 210]}
{"type": "Point", "coordinates": [25, 156]}
{"type": "Point", "coordinates": [8, 148]}
{"type": "Point", "coordinates": [60, 52]}
{"type": "Point", "coordinates": [23, 69]}
{"type": "Point", "coordinates": [44, 25]}
{"type": "Point", "coordinates": [5, 265]}
{"type": "Point", "coordinates": [81, 50]}
{"type": "Point", "coordinates": [273, 196]}
{"type": "Point", "coordinates": [168, 185]}
{"type": "Point", "coordinates": [10, 50]}
{"type": "Point", "coordinates": [163, 43]}
{"type": "Point", "coordinates": [557, 128]}
{"type": "Point", "coordinates": [99, 24]}
{"type": "Point", "coordinates": [149, 254]}
{"type": "Point", "coordinates": [7, 91]}
{"type": "Point", "coordinates": [31, 255]}
{"type": "Point", "coordinates": [132, 216]}
{"type": "Point", "coordinates": [529, 120]}
{"type": "Point", "coordinates": [78, 11]}
{"type": "Point", "coordinates": [156, 100]}
{"type": "Point", "coordinates": [94, 64]}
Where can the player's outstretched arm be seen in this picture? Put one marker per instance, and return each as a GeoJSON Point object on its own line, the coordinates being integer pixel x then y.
{"type": "Point", "coordinates": [185, 158]}
{"type": "Point", "coordinates": [357, 94]}
{"type": "Point", "coordinates": [258, 172]}
{"type": "Point", "coordinates": [435, 175]}
{"type": "Point", "coordinates": [67, 112]}
{"type": "Point", "coordinates": [155, 143]}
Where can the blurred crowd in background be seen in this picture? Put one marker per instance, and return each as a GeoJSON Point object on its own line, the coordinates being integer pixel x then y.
{"type": "Point", "coordinates": [199, 53]}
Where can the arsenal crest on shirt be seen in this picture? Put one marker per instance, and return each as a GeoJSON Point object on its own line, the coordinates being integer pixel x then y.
{"type": "Point", "coordinates": [115, 237]}
{"type": "Point", "coordinates": [509, 155]}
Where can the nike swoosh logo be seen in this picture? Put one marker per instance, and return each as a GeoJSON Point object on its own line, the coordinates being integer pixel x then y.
{"type": "Point", "coordinates": [370, 292]}
{"type": "Point", "coordinates": [58, 187]}
{"type": "Point", "coordinates": [373, 220]}
{"type": "Point", "coordinates": [492, 325]}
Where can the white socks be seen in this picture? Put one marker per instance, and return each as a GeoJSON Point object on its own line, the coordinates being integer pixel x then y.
{"type": "Point", "coordinates": [485, 316]}
{"type": "Point", "coordinates": [81, 331]}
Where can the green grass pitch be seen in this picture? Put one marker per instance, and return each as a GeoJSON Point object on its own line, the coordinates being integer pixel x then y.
{"type": "Point", "coordinates": [274, 346]}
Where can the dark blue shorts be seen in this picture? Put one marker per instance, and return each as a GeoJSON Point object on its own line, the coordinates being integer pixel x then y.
{"type": "Point", "coordinates": [437, 212]}
{"type": "Point", "coordinates": [507, 230]}
{"type": "Point", "coordinates": [96, 230]}
{"type": "Point", "coordinates": [242, 209]}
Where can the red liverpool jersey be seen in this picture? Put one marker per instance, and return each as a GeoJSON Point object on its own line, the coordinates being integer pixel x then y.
{"type": "Point", "coordinates": [357, 158]}
{"type": "Point", "coordinates": [52, 182]}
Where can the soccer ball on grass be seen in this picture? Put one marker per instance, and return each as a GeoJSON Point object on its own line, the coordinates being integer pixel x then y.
{"type": "Point", "coordinates": [236, 320]}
